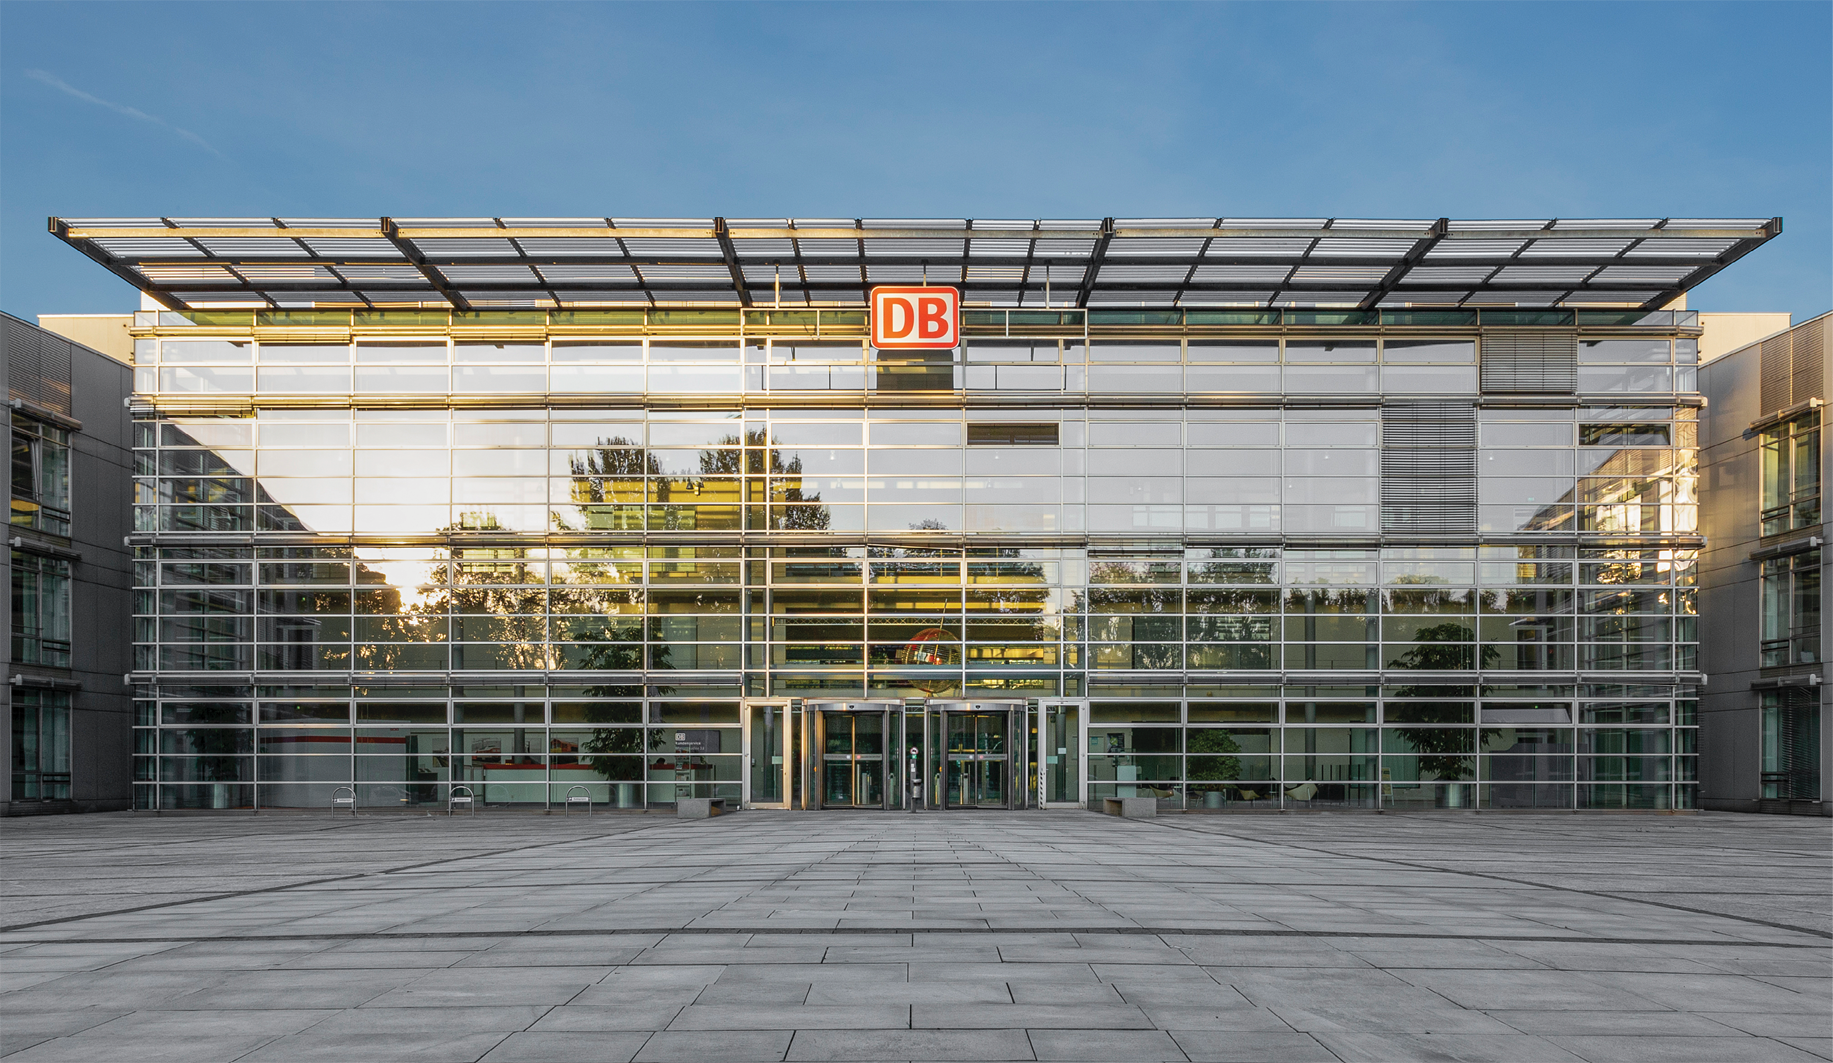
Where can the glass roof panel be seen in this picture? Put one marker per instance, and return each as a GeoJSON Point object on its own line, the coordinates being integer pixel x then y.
{"type": "Point", "coordinates": [1145, 261]}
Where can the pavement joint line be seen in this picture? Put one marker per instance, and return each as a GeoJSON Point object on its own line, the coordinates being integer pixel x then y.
{"type": "Point", "coordinates": [312, 882]}
{"type": "Point", "coordinates": [1516, 881]}
{"type": "Point", "coordinates": [774, 931]}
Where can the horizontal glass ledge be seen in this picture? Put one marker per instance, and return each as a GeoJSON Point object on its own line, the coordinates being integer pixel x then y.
{"type": "Point", "coordinates": [1131, 544]}
{"type": "Point", "coordinates": [180, 404]}
{"type": "Point", "coordinates": [842, 321]}
{"type": "Point", "coordinates": [1112, 677]}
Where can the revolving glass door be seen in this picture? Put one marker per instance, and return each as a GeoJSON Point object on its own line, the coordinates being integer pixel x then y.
{"type": "Point", "coordinates": [852, 765]}
{"type": "Point", "coordinates": [976, 755]}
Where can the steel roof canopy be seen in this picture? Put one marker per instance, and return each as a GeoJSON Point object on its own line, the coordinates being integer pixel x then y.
{"type": "Point", "coordinates": [474, 263]}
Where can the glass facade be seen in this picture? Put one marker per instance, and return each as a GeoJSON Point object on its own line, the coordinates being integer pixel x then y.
{"type": "Point", "coordinates": [1242, 560]}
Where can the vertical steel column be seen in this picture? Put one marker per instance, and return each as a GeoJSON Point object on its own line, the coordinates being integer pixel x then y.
{"type": "Point", "coordinates": [917, 768]}
{"type": "Point", "coordinates": [796, 753]}
{"type": "Point", "coordinates": [1034, 755]}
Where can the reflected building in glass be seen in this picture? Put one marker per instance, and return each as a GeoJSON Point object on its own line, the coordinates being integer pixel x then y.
{"type": "Point", "coordinates": [1230, 514]}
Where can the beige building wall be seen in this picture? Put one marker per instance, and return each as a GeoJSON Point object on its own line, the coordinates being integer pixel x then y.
{"type": "Point", "coordinates": [101, 332]}
{"type": "Point", "coordinates": [1725, 333]}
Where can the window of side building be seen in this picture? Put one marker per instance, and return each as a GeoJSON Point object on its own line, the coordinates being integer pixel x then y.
{"type": "Point", "coordinates": [1791, 474]}
{"type": "Point", "coordinates": [41, 476]}
{"type": "Point", "coordinates": [41, 745]}
{"type": "Point", "coordinates": [41, 610]}
{"type": "Point", "coordinates": [1791, 746]}
{"type": "Point", "coordinates": [1791, 609]}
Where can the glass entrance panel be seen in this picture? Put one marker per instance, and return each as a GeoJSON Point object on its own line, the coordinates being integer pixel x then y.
{"type": "Point", "coordinates": [979, 764]}
{"type": "Point", "coordinates": [1060, 741]}
{"type": "Point", "coordinates": [852, 759]}
{"type": "Point", "coordinates": [769, 725]}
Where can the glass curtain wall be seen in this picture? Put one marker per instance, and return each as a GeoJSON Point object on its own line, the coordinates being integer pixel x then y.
{"type": "Point", "coordinates": [527, 596]}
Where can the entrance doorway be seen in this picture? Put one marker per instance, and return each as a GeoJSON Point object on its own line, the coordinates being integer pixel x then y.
{"type": "Point", "coordinates": [851, 759]}
{"type": "Point", "coordinates": [912, 754]}
{"type": "Point", "coordinates": [1060, 743]}
{"type": "Point", "coordinates": [979, 765]}
{"type": "Point", "coordinates": [977, 754]}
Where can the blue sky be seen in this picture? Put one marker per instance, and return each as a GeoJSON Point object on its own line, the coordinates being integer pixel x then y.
{"type": "Point", "coordinates": [1472, 110]}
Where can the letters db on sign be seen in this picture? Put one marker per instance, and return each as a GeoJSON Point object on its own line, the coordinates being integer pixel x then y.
{"type": "Point", "coordinates": [915, 318]}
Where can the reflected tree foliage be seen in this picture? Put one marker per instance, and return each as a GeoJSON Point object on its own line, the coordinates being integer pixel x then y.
{"type": "Point", "coordinates": [1444, 752]}
{"type": "Point", "coordinates": [1150, 618]}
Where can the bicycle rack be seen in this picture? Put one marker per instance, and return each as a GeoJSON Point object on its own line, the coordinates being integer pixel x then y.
{"type": "Point", "coordinates": [467, 799]}
{"type": "Point", "coordinates": [339, 803]}
{"type": "Point", "coordinates": [584, 797]}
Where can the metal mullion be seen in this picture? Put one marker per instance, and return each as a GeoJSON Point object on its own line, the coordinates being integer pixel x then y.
{"type": "Point", "coordinates": [1513, 259]}
{"type": "Point", "coordinates": [531, 265]}
{"type": "Point", "coordinates": [348, 285]}
{"type": "Point", "coordinates": [966, 244]}
{"type": "Point", "coordinates": [1096, 258]}
{"type": "Point", "coordinates": [647, 292]}
{"type": "Point", "coordinates": [1398, 273]}
{"type": "Point", "coordinates": [419, 262]}
{"type": "Point", "coordinates": [1024, 276]}
{"type": "Point", "coordinates": [1190, 274]}
{"type": "Point", "coordinates": [1696, 277]}
{"type": "Point", "coordinates": [1280, 286]}
{"type": "Point", "coordinates": [865, 284]}
{"type": "Point", "coordinates": [795, 251]}
{"type": "Point", "coordinates": [329, 267]}
{"type": "Point", "coordinates": [731, 259]}
{"type": "Point", "coordinates": [1303, 259]}
{"type": "Point", "coordinates": [246, 283]}
{"type": "Point", "coordinates": [226, 266]}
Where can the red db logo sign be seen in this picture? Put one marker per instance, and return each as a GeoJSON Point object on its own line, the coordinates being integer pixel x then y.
{"type": "Point", "coordinates": [915, 318]}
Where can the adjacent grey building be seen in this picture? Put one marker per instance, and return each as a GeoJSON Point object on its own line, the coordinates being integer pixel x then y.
{"type": "Point", "coordinates": [1763, 741]}
{"type": "Point", "coordinates": [70, 714]}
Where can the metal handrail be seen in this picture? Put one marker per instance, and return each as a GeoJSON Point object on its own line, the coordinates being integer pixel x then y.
{"type": "Point", "coordinates": [469, 800]}
{"type": "Point", "coordinates": [340, 802]}
{"type": "Point", "coordinates": [585, 797]}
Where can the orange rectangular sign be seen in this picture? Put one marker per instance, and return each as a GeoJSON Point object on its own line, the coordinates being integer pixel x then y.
{"type": "Point", "coordinates": [915, 318]}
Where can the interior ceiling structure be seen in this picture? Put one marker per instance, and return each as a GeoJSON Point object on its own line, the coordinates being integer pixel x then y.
{"type": "Point", "coordinates": [500, 263]}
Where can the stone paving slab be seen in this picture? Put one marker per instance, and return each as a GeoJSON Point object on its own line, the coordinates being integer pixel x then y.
{"type": "Point", "coordinates": [1024, 936]}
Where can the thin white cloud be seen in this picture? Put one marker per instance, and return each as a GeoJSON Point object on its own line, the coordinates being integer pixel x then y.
{"type": "Point", "coordinates": [132, 112]}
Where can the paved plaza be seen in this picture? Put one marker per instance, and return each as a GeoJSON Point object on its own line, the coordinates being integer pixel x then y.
{"type": "Point", "coordinates": [937, 936]}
